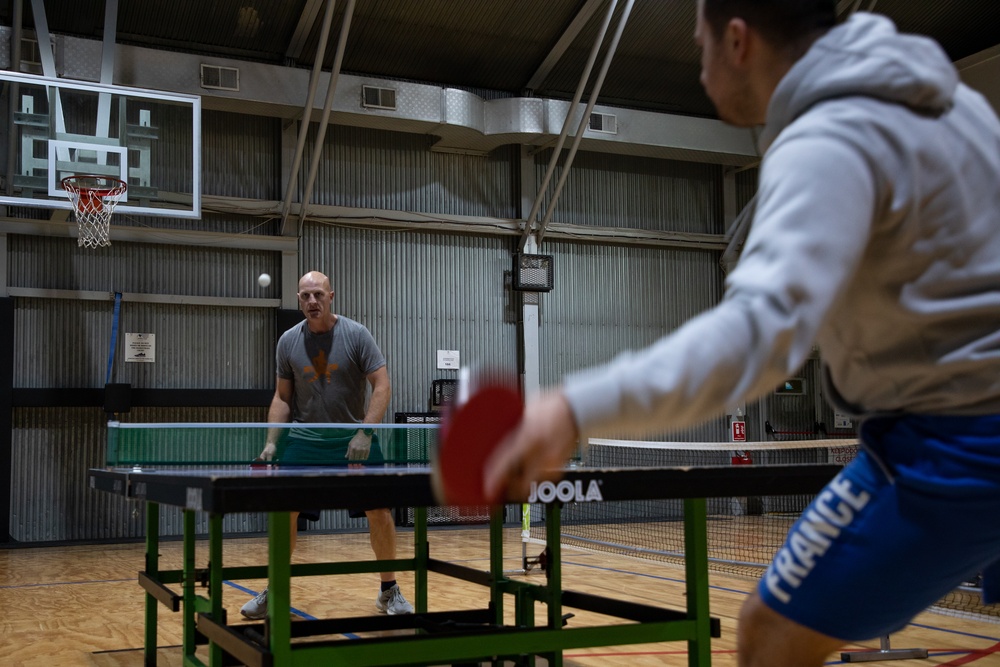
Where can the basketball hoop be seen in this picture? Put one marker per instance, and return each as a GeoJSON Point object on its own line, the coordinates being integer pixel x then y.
{"type": "Point", "coordinates": [94, 199]}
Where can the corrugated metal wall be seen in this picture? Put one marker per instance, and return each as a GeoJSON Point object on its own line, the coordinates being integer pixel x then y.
{"type": "Point", "coordinates": [392, 170]}
{"type": "Point", "coordinates": [746, 185]}
{"type": "Point", "coordinates": [417, 292]}
{"type": "Point", "coordinates": [58, 263]}
{"type": "Point", "coordinates": [241, 155]}
{"type": "Point", "coordinates": [52, 450]}
{"type": "Point", "coordinates": [64, 342]}
{"type": "Point", "coordinates": [610, 299]}
{"type": "Point", "coordinates": [608, 190]}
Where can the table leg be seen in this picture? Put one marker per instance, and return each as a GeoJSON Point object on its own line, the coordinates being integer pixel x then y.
{"type": "Point", "coordinates": [553, 534]}
{"type": "Point", "coordinates": [524, 615]}
{"type": "Point", "coordinates": [153, 570]}
{"type": "Point", "coordinates": [279, 605]}
{"type": "Point", "coordinates": [215, 581]}
{"type": "Point", "coordinates": [189, 577]}
{"type": "Point", "coordinates": [696, 574]}
{"type": "Point", "coordinates": [496, 562]}
{"type": "Point", "coordinates": [421, 552]}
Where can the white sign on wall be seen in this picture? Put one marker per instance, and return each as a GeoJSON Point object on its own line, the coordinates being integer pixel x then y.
{"type": "Point", "coordinates": [448, 359]}
{"type": "Point", "coordinates": [841, 420]}
{"type": "Point", "coordinates": [140, 347]}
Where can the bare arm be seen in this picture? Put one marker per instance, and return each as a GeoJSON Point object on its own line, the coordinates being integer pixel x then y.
{"type": "Point", "coordinates": [280, 412]}
{"type": "Point", "coordinates": [381, 393]}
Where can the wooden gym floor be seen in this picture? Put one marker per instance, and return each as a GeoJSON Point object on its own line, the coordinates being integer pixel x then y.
{"type": "Point", "coordinates": [81, 605]}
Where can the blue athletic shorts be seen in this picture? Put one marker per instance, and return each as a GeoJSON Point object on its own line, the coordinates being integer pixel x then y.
{"type": "Point", "coordinates": [304, 447]}
{"type": "Point", "coordinates": [913, 517]}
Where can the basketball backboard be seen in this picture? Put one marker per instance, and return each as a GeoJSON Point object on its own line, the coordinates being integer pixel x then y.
{"type": "Point", "coordinates": [149, 139]}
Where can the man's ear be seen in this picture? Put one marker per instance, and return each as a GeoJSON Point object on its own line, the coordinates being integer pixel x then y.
{"type": "Point", "coordinates": [736, 41]}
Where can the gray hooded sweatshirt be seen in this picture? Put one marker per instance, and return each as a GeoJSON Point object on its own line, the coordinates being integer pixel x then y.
{"type": "Point", "coordinates": [876, 237]}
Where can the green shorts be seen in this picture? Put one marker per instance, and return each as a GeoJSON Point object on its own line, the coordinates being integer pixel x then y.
{"type": "Point", "coordinates": [307, 448]}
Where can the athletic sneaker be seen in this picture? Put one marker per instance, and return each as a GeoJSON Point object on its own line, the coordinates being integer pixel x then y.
{"type": "Point", "coordinates": [256, 608]}
{"type": "Point", "coordinates": [392, 602]}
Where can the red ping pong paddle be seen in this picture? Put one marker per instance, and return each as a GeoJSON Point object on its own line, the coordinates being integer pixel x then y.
{"type": "Point", "coordinates": [260, 464]}
{"type": "Point", "coordinates": [470, 431]}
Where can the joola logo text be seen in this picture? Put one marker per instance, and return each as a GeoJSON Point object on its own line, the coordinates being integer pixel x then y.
{"type": "Point", "coordinates": [565, 491]}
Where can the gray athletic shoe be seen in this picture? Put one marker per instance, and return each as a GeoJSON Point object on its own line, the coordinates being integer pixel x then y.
{"type": "Point", "coordinates": [392, 602]}
{"type": "Point", "coordinates": [257, 608]}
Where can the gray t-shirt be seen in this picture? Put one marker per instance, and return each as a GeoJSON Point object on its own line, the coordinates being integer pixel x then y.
{"type": "Point", "coordinates": [329, 371]}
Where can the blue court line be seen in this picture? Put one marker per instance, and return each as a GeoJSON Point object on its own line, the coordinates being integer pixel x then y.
{"type": "Point", "coordinates": [297, 612]}
{"type": "Point", "coordinates": [956, 632]}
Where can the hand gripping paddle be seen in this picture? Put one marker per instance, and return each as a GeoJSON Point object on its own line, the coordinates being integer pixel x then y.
{"type": "Point", "coordinates": [486, 410]}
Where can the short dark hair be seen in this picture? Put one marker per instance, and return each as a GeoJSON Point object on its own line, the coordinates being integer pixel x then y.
{"type": "Point", "coordinates": [781, 22]}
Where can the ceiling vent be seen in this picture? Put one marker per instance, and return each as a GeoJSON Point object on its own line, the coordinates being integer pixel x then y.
{"type": "Point", "coordinates": [373, 97]}
{"type": "Point", "coordinates": [220, 78]}
{"type": "Point", "coordinates": [604, 122]}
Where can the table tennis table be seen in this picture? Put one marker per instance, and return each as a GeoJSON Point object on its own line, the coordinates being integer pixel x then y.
{"type": "Point", "coordinates": [456, 637]}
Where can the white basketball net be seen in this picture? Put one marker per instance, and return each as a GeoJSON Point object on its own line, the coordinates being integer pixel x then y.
{"type": "Point", "coordinates": [94, 199]}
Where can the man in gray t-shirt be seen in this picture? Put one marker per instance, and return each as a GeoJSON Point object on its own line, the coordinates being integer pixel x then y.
{"type": "Point", "coordinates": [323, 365]}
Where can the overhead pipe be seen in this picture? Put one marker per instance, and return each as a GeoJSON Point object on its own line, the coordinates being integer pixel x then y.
{"type": "Point", "coordinates": [317, 70]}
{"type": "Point", "coordinates": [321, 134]}
{"type": "Point", "coordinates": [612, 48]}
{"type": "Point", "coordinates": [566, 123]}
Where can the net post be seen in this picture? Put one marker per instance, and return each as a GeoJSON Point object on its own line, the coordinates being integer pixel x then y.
{"type": "Point", "coordinates": [112, 453]}
{"type": "Point", "coordinates": [885, 652]}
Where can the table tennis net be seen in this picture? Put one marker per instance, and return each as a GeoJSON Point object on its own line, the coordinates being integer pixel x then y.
{"type": "Point", "coordinates": [239, 444]}
{"type": "Point", "coordinates": [744, 533]}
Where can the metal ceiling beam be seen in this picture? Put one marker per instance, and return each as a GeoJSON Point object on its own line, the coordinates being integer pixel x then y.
{"type": "Point", "coordinates": [108, 45]}
{"type": "Point", "coordinates": [338, 60]}
{"type": "Point", "coordinates": [103, 128]}
{"type": "Point", "coordinates": [563, 43]}
{"type": "Point", "coordinates": [15, 96]}
{"type": "Point", "coordinates": [48, 65]}
{"type": "Point", "coordinates": [161, 235]}
{"type": "Point", "coordinates": [139, 297]}
{"type": "Point", "coordinates": [585, 119]}
{"type": "Point", "coordinates": [577, 96]}
{"type": "Point", "coordinates": [307, 113]}
{"type": "Point", "coordinates": [306, 20]}
{"type": "Point", "coordinates": [353, 217]}
{"type": "Point", "coordinates": [44, 41]}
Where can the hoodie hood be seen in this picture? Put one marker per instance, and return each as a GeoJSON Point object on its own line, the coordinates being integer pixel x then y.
{"type": "Point", "coordinates": [864, 56]}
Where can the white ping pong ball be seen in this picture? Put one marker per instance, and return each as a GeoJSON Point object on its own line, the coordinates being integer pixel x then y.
{"type": "Point", "coordinates": [264, 280]}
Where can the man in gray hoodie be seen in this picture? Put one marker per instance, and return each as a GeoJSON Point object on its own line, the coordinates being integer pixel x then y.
{"type": "Point", "coordinates": [877, 238]}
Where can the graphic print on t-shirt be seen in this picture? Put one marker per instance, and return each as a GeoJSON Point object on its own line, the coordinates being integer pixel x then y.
{"type": "Point", "coordinates": [321, 368]}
